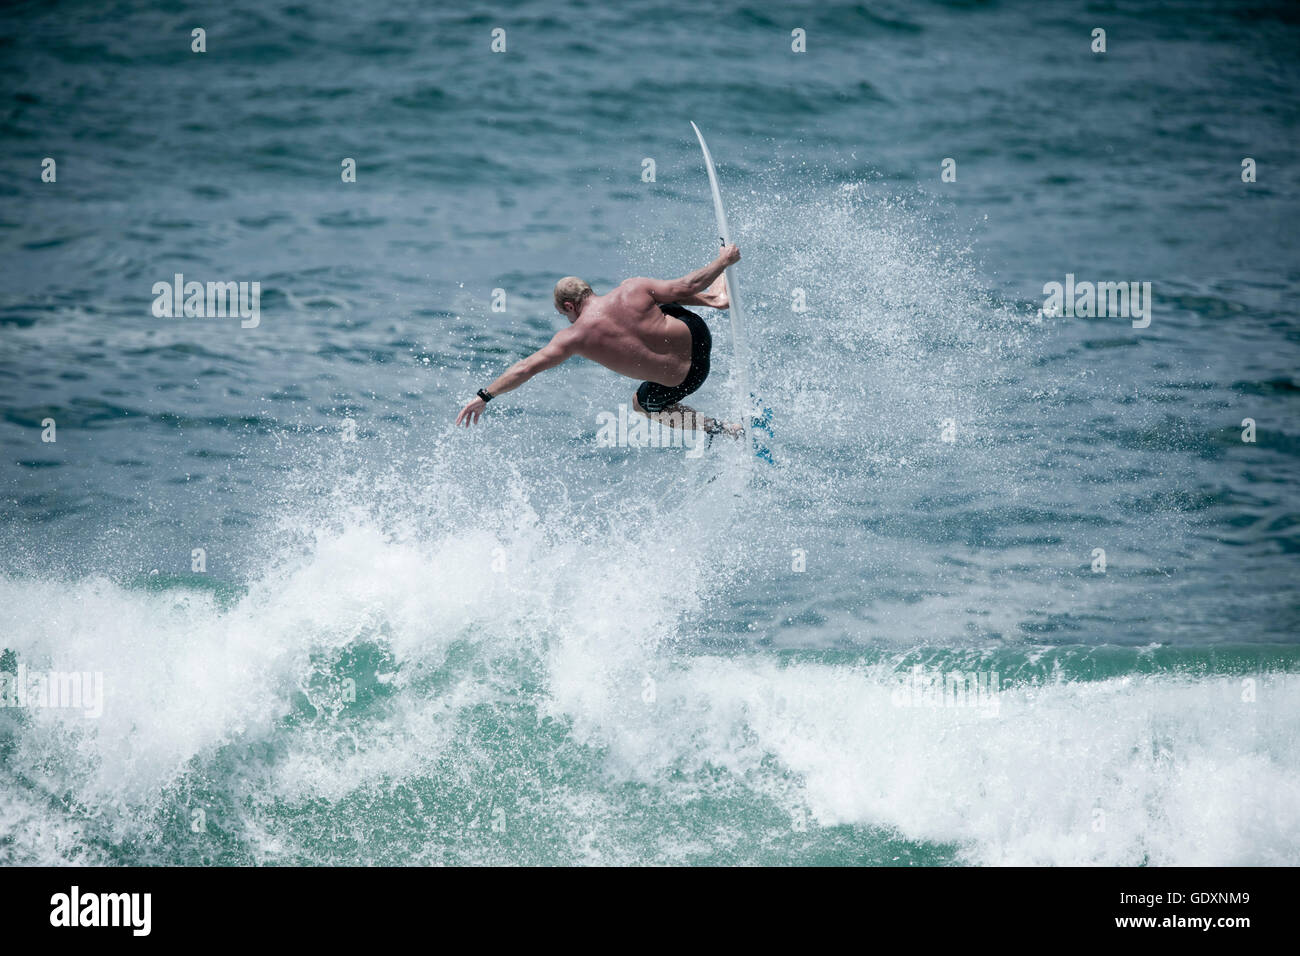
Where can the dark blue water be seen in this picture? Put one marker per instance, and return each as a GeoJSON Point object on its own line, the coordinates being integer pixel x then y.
{"type": "Point", "coordinates": [516, 645]}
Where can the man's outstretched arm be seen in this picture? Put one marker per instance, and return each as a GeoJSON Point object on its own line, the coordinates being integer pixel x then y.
{"type": "Point", "coordinates": [693, 283]}
{"type": "Point", "coordinates": [563, 346]}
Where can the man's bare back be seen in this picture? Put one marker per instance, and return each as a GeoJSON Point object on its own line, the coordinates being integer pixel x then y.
{"type": "Point", "coordinates": [639, 330]}
{"type": "Point", "coordinates": [626, 331]}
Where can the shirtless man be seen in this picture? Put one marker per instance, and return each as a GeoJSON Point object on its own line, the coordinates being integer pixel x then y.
{"type": "Point", "coordinates": [639, 330]}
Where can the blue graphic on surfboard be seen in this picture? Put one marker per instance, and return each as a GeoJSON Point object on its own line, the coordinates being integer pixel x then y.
{"type": "Point", "coordinates": [760, 430]}
{"type": "Point", "coordinates": [756, 415]}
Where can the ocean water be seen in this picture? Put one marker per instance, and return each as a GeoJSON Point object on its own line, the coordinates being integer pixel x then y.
{"type": "Point", "coordinates": [412, 644]}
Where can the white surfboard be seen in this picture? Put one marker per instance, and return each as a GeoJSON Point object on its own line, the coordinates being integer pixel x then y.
{"type": "Point", "coordinates": [739, 347]}
{"type": "Point", "coordinates": [758, 420]}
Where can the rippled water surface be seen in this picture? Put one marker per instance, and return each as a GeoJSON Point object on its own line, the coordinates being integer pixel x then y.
{"type": "Point", "coordinates": [516, 645]}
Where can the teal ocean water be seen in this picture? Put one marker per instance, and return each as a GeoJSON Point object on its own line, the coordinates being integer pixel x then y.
{"type": "Point", "coordinates": [332, 629]}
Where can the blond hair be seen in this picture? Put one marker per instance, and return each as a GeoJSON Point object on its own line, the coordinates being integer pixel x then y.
{"type": "Point", "coordinates": [571, 289]}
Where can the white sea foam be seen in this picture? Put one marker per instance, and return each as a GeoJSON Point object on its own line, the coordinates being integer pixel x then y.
{"type": "Point", "coordinates": [1180, 768]}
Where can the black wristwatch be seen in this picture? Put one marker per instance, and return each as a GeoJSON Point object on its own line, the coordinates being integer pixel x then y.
{"type": "Point", "coordinates": [484, 394]}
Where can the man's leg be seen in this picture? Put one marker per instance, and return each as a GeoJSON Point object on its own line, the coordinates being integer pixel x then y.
{"type": "Point", "coordinates": [687, 419]}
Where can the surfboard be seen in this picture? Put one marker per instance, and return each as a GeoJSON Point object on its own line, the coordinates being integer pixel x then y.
{"type": "Point", "coordinates": [748, 408]}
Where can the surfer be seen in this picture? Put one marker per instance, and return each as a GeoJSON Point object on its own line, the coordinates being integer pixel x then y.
{"type": "Point", "coordinates": [641, 330]}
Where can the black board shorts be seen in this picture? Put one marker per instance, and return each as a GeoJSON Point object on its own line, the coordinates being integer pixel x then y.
{"type": "Point", "coordinates": [654, 397]}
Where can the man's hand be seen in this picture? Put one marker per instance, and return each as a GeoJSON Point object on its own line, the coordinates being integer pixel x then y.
{"type": "Point", "coordinates": [472, 412]}
{"type": "Point", "coordinates": [730, 254]}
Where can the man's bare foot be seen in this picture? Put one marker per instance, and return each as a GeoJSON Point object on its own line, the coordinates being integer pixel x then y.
{"type": "Point", "coordinates": [715, 427]}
